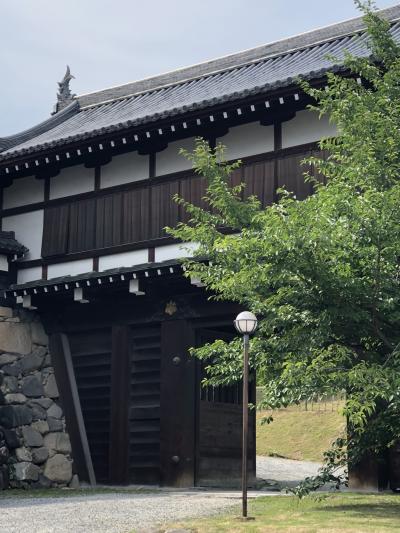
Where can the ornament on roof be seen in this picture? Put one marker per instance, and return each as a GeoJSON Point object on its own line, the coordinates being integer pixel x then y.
{"type": "Point", "coordinates": [64, 95]}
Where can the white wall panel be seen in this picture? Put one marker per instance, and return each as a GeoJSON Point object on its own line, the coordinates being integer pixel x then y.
{"type": "Point", "coordinates": [169, 160]}
{"type": "Point", "coordinates": [70, 268]}
{"type": "Point", "coordinates": [173, 251]}
{"type": "Point", "coordinates": [72, 180]}
{"type": "Point", "coordinates": [124, 169]}
{"type": "Point", "coordinates": [4, 263]}
{"type": "Point", "coordinates": [28, 228]}
{"type": "Point", "coordinates": [29, 274]}
{"type": "Point", "coordinates": [125, 259]}
{"type": "Point", "coordinates": [248, 139]}
{"type": "Point", "coordinates": [23, 191]}
{"type": "Point", "coordinates": [306, 127]}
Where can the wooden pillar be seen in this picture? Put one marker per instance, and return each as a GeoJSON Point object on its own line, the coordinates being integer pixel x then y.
{"type": "Point", "coordinates": [120, 404]}
{"type": "Point", "coordinates": [178, 405]}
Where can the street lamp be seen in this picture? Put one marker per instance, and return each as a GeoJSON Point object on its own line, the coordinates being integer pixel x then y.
{"type": "Point", "coordinates": [245, 324]}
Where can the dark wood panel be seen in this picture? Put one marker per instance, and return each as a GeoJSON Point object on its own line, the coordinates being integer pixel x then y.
{"type": "Point", "coordinates": [259, 181]}
{"type": "Point", "coordinates": [55, 230]}
{"type": "Point", "coordinates": [164, 211]}
{"type": "Point", "coordinates": [140, 214]}
{"type": "Point", "coordinates": [135, 220]}
{"type": "Point", "coordinates": [144, 413]}
{"type": "Point", "coordinates": [219, 426]}
{"type": "Point", "coordinates": [109, 221]}
{"type": "Point", "coordinates": [120, 398]}
{"type": "Point", "coordinates": [192, 189]}
{"type": "Point", "coordinates": [220, 444]}
{"type": "Point", "coordinates": [81, 234]}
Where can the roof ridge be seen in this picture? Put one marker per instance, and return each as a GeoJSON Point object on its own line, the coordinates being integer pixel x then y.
{"type": "Point", "coordinates": [209, 74]}
{"type": "Point", "coordinates": [232, 61]}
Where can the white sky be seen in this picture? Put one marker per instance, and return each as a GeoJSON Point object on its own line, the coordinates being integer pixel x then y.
{"type": "Point", "coordinates": [110, 42]}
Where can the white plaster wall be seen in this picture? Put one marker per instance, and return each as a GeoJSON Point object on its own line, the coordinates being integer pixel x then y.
{"type": "Point", "coordinates": [306, 127]}
{"type": "Point", "coordinates": [29, 274]}
{"type": "Point", "coordinates": [72, 180]}
{"type": "Point", "coordinates": [70, 268]}
{"type": "Point", "coordinates": [248, 139]}
{"type": "Point", "coordinates": [3, 263]}
{"type": "Point", "coordinates": [124, 169]}
{"type": "Point", "coordinates": [173, 251]}
{"type": "Point", "coordinates": [169, 160]}
{"type": "Point", "coordinates": [125, 259]}
{"type": "Point", "coordinates": [23, 191]}
{"type": "Point", "coordinates": [28, 228]}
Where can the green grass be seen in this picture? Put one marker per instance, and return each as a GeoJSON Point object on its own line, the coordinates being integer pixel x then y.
{"type": "Point", "coordinates": [299, 434]}
{"type": "Point", "coordinates": [328, 513]}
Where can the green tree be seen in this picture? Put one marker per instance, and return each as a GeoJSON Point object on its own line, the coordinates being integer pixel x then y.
{"type": "Point", "coordinates": [323, 274]}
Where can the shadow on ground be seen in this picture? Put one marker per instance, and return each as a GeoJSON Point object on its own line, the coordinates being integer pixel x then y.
{"type": "Point", "coordinates": [379, 510]}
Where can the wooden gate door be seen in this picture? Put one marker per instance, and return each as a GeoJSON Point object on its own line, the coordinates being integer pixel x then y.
{"type": "Point", "coordinates": [177, 422]}
{"type": "Point", "coordinates": [219, 427]}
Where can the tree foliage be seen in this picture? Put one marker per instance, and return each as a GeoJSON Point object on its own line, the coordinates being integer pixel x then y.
{"type": "Point", "coordinates": [323, 274]}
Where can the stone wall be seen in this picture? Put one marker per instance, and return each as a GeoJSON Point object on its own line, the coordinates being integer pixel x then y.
{"type": "Point", "coordinates": [35, 449]}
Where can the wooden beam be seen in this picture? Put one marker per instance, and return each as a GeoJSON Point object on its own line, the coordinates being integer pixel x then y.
{"type": "Point", "coordinates": [65, 375]}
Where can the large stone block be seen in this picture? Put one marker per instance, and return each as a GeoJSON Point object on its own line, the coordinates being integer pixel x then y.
{"type": "Point", "coordinates": [58, 469]}
{"type": "Point", "coordinates": [10, 384]}
{"type": "Point", "coordinates": [12, 416]}
{"type": "Point", "coordinates": [45, 403]}
{"type": "Point", "coordinates": [16, 397]}
{"type": "Point", "coordinates": [40, 425]}
{"type": "Point", "coordinates": [13, 369]}
{"type": "Point", "coordinates": [39, 336]}
{"type": "Point", "coordinates": [7, 358]}
{"type": "Point", "coordinates": [32, 437]}
{"type": "Point", "coordinates": [58, 442]}
{"type": "Point", "coordinates": [32, 386]}
{"type": "Point", "coordinates": [55, 424]}
{"type": "Point", "coordinates": [74, 483]}
{"type": "Point", "coordinates": [31, 362]}
{"type": "Point", "coordinates": [38, 413]}
{"type": "Point", "coordinates": [15, 338]}
{"type": "Point", "coordinates": [23, 454]}
{"type": "Point", "coordinates": [4, 455]}
{"type": "Point", "coordinates": [50, 387]}
{"type": "Point", "coordinates": [6, 312]}
{"type": "Point", "coordinates": [11, 438]}
{"type": "Point", "coordinates": [54, 411]}
{"type": "Point", "coordinates": [40, 455]}
{"type": "Point", "coordinates": [26, 472]}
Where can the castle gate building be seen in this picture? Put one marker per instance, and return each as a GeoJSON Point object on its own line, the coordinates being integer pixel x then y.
{"type": "Point", "coordinates": [88, 193]}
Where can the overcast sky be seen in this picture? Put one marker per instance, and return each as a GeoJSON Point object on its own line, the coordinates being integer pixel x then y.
{"type": "Point", "coordinates": [108, 42]}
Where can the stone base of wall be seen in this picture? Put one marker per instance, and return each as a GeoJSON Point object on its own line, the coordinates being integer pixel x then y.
{"type": "Point", "coordinates": [35, 449]}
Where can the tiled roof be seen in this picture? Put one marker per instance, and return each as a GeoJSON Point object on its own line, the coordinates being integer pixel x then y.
{"type": "Point", "coordinates": [257, 71]}
{"type": "Point", "coordinates": [170, 265]}
{"type": "Point", "coordinates": [9, 245]}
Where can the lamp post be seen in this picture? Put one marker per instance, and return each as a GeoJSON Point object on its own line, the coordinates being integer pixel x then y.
{"type": "Point", "coordinates": [245, 324]}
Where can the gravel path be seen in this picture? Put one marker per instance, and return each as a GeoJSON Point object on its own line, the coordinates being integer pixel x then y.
{"type": "Point", "coordinates": [109, 513]}
{"type": "Point", "coordinates": [123, 513]}
{"type": "Point", "coordinates": [285, 472]}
